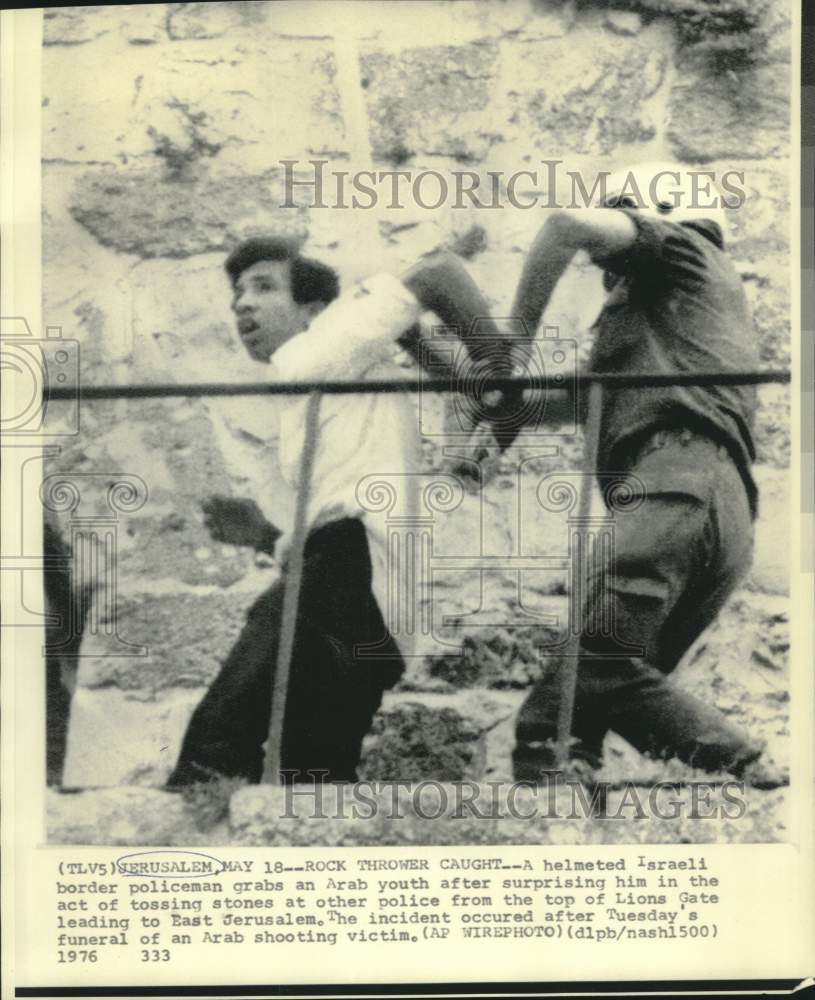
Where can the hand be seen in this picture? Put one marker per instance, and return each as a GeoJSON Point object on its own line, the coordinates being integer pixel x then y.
{"type": "Point", "coordinates": [238, 522]}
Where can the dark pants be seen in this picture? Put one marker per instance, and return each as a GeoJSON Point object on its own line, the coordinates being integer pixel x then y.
{"type": "Point", "coordinates": [333, 694]}
{"type": "Point", "coordinates": [677, 558]}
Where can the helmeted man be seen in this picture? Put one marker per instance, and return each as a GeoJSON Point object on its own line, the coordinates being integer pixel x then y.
{"type": "Point", "coordinates": [674, 304]}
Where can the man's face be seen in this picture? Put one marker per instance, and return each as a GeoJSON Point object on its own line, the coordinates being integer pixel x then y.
{"type": "Point", "coordinates": [267, 314]}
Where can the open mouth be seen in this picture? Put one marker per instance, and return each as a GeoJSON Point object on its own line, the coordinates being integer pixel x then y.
{"type": "Point", "coordinates": [246, 327]}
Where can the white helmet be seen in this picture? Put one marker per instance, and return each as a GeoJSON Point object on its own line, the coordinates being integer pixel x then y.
{"type": "Point", "coordinates": [669, 190]}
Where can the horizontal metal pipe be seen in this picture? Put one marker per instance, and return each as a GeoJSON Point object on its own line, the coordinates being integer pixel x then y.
{"type": "Point", "coordinates": [551, 383]}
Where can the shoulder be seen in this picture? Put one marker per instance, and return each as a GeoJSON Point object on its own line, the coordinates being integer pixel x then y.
{"type": "Point", "coordinates": [352, 332]}
{"type": "Point", "coordinates": [665, 251]}
{"type": "Point", "coordinates": [383, 295]}
{"type": "Point", "coordinates": [377, 308]}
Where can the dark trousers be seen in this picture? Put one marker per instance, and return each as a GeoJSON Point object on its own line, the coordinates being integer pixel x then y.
{"type": "Point", "coordinates": [677, 557]}
{"type": "Point", "coordinates": [333, 693]}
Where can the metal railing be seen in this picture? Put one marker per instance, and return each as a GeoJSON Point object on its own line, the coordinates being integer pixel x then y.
{"type": "Point", "coordinates": [594, 382]}
{"type": "Point", "coordinates": [556, 383]}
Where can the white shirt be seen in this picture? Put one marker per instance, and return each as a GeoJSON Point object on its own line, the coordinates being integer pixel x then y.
{"type": "Point", "coordinates": [362, 438]}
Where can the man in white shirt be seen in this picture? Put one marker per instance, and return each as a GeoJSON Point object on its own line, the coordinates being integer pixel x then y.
{"type": "Point", "coordinates": [289, 313]}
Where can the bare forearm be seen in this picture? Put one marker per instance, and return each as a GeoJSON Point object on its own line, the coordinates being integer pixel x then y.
{"type": "Point", "coordinates": [549, 256]}
{"type": "Point", "coordinates": [443, 286]}
{"type": "Point", "coordinates": [598, 231]}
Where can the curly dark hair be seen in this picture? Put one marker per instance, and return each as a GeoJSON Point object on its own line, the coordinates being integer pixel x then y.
{"type": "Point", "coordinates": [311, 280]}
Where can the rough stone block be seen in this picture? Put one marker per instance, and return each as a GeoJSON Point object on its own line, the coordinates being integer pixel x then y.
{"type": "Point", "coordinates": [214, 20]}
{"type": "Point", "coordinates": [739, 114]}
{"type": "Point", "coordinates": [742, 664]}
{"type": "Point", "coordinates": [149, 215]}
{"type": "Point", "coordinates": [505, 658]}
{"type": "Point", "coordinates": [187, 635]}
{"type": "Point", "coordinates": [772, 430]}
{"type": "Point", "coordinates": [759, 225]}
{"type": "Point", "coordinates": [175, 546]}
{"type": "Point", "coordinates": [400, 25]}
{"type": "Point", "coordinates": [135, 24]}
{"type": "Point", "coordinates": [439, 737]}
{"type": "Point", "coordinates": [74, 26]}
{"type": "Point", "coordinates": [87, 307]}
{"type": "Point", "coordinates": [85, 120]}
{"type": "Point", "coordinates": [169, 453]}
{"type": "Point", "coordinates": [770, 572]}
{"type": "Point", "coordinates": [211, 104]}
{"type": "Point", "coordinates": [182, 434]}
{"type": "Point", "coordinates": [182, 326]}
{"type": "Point", "coordinates": [203, 101]}
{"type": "Point", "coordinates": [429, 100]}
{"type": "Point", "coordinates": [775, 29]}
{"type": "Point", "coordinates": [124, 816]}
{"type": "Point", "coordinates": [123, 738]}
{"type": "Point", "coordinates": [591, 96]}
{"type": "Point", "coordinates": [767, 287]}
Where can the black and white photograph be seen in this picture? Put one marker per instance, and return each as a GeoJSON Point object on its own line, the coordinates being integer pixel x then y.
{"type": "Point", "coordinates": [318, 192]}
{"type": "Point", "coordinates": [254, 173]}
{"type": "Point", "coordinates": [415, 390]}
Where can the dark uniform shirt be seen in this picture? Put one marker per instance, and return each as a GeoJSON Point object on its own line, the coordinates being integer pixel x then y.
{"type": "Point", "coordinates": [676, 304]}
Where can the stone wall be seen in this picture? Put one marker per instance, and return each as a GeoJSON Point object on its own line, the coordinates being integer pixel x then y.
{"type": "Point", "coordinates": [163, 131]}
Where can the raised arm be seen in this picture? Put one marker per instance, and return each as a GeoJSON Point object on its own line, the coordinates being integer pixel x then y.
{"type": "Point", "coordinates": [442, 285]}
{"type": "Point", "coordinates": [599, 231]}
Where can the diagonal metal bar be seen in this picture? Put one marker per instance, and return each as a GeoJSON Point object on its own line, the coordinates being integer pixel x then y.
{"type": "Point", "coordinates": [569, 662]}
{"type": "Point", "coordinates": [291, 598]}
{"type": "Point", "coordinates": [554, 383]}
